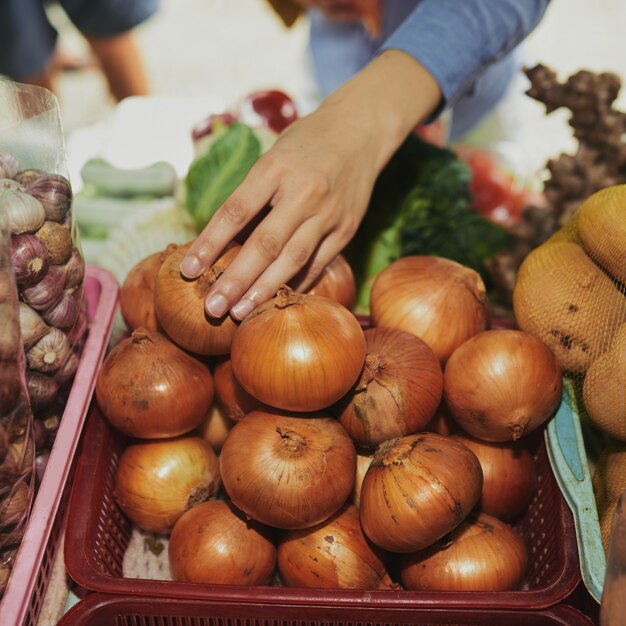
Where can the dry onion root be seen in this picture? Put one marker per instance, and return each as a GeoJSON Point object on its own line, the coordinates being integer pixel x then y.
{"type": "Point", "coordinates": [398, 392]}
{"type": "Point", "coordinates": [332, 555]}
{"type": "Point", "coordinates": [298, 352]}
{"type": "Point", "coordinates": [481, 554]}
{"type": "Point", "coordinates": [157, 481]}
{"type": "Point", "coordinates": [179, 304]}
{"type": "Point", "coordinates": [502, 384]}
{"type": "Point", "coordinates": [288, 472]}
{"type": "Point", "coordinates": [417, 489]}
{"type": "Point", "coordinates": [149, 388]}
{"type": "Point", "coordinates": [213, 543]}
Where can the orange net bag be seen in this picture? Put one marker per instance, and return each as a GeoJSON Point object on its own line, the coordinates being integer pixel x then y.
{"type": "Point", "coordinates": [571, 293]}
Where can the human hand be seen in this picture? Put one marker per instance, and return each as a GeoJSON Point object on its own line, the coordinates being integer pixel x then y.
{"type": "Point", "coordinates": [317, 179]}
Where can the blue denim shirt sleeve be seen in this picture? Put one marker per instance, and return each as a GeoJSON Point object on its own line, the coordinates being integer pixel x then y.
{"type": "Point", "coordinates": [457, 40]}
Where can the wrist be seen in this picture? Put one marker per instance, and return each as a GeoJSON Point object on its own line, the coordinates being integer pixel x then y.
{"type": "Point", "coordinates": [389, 97]}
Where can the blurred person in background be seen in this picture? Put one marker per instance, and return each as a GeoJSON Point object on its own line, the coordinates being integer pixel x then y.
{"type": "Point", "coordinates": [29, 51]}
{"type": "Point", "coordinates": [385, 67]}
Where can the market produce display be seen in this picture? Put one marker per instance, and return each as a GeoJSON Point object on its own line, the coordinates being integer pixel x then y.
{"type": "Point", "coordinates": [326, 452]}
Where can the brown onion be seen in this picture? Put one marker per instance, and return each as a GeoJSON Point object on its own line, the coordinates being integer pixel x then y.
{"type": "Point", "coordinates": [332, 555]}
{"type": "Point", "coordinates": [441, 301]}
{"type": "Point", "coordinates": [509, 475]}
{"type": "Point", "coordinates": [213, 543]}
{"type": "Point", "coordinates": [137, 291]}
{"type": "Point", "coordinates": [216, 427]}
{"type": "Point", "coordinates": [231, 396]}
{"type": "Point", "coordinates": [442, 422]}
{"type": "Point", "coordinates": [157, 481]}
{"type": "Point", "coordinates": [502, 384]}
{"type": "Point", "coordinates": [362, 465]}
{"type": "Point", "coordinates": [398, 392]}
{"type": "Point", "coordinates": [481, 554]}
{"type": "Point", "coordinates": [288, 472]}
{"type": "Point", "coordinates": [179, 305]}
{"type": "Point", "coordinates": [147, 387]}
{"type": "Point", "coordinates": [336, 282]}
{"type": "Point", "coordinates": [417, 489]}
{"type": "Point", "coordinates": [298, 352]}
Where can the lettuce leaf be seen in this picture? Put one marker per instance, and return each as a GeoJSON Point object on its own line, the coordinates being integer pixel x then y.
{"type": "Point", "coordinates": [213, 176]}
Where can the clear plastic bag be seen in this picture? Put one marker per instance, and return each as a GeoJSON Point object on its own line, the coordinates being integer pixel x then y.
{"type": "Point", "coordinates": [48, 266]}
{"type": "Point", "coordinates": [16, 435]}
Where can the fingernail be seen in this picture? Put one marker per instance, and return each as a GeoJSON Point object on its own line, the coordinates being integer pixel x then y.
{"type": "Point", "coordinates": [216, 306]}
{"type": "Point", "coordinates": [242, 309]}
{"type": "Point", "coordinates": [190, 266]}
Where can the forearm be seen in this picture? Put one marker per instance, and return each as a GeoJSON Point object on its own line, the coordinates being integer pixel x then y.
{"type": "Point", "coordinates": [387, 99]}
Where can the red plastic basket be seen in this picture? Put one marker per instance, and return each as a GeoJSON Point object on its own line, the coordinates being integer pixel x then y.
{"type": "Point", "coordinates": [98, 534]}
{"type": "Point", "coordinates": [23, 597]}
{"type": "Point", "coordinates": [104, 610]}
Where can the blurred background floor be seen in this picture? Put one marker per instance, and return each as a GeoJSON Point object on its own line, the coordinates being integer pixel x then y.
{"type": "Point", "coordinates": [227, 48]}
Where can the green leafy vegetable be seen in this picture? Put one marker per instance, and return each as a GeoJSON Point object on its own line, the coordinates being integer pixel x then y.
{"type": "Point", "coordinates": [421, 205]}
{"type": "Point", "coordinates": [216, 174]}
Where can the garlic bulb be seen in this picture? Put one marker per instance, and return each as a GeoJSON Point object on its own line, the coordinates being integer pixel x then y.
{"type": "Point", "coordinates": [33, 328]}
{"type": "Point", "coordinates": [23, 213]}
{"type": "Point", "coordinates": [55, 194]}
{"type": "Point", "coordinates": [47, 291]}
{"type": "Point", "coordinates": [58, 240]}
{"type": "Point", "coordinates": [9, 165]}
{"type": "Point", "coordinates": [50, 352]}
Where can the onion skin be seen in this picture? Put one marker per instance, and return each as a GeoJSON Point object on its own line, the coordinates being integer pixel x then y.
{"type": "Point", "coordinates": [137, 291]}
{"type": "Point", "coordinates": [298, 352]}
{"type": "Point", "coordinates": [362, 464]}
{"type": "Point", "coordinates": [212, 543]}
{"type": "Point", "coordinates": [336, 282]}
{"type": "Point", "coordinates": [149, 388]}
{"type": "Point", "coordinates": [179, 304]}
{"type": "Point", "coordinates": [398, 392]}
{"type": "Point", "coordinates": [332, 555]}
{"type": "Point", "coordinates": [231, 396]}
{"type": "Point", "coordinates": [441, 301]}
{"type": "Point", "coordinates": [288, 472]}
{"type": "Point", "coordinates": [509, 476]}
{"type": "Point", "coordinates": [417, 489]}
{"type": "Point", "coordinates": [157, 481]}
{"type": "Point", "coordinates": [502, 385]}
{"type": "Point", "coordinates": [482, 554]}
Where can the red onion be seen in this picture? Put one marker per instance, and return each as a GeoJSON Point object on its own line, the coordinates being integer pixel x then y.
{"type": "Point", "coordinates": [30, 259]}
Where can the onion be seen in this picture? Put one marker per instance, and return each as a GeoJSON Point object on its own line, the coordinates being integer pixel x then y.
{"type": "Point", "coordinates": [288, 472]}
{"type": "Point", "coordinates": [417, 489]}
{"type": "Point", "coordinates": [509, 476]}
{"type": "Point", "coordinates": [213, 543]}
{"type": "Point", "coordinates": [439, 300]}
{"type": "Point", "coordinates": [336, 282]}
{"type": "Point", "coordinates": [147, 387]}
{"type": "Point", "coordinates": [157, 481]}
{"type": "Point", "coordinates": [399, 390]}
{"type": "Point", "coordinates": [216, 427]}
{"type": "Point", "coordinates": [179, 305]}
{"type": "Point", "coordinates": [231, 396]}
{"type": "Point", "coordinates": [502, 384]}
{"type": "Point", "coordinates": [481, 554]}
{"type": "Point", "coordinates": [137, 291]}
{"type": "Point", "coordinates": [362, 465]}
{"type": "Point", "coordinates": [332, 555]}
{"type": "Point", "coordinates": [442, 423]}
{"type": "Point", "coordinates": [298, 352]}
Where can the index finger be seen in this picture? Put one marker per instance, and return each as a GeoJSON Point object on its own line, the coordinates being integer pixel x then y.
{"type": "Point", "coordinates": [252, 195]}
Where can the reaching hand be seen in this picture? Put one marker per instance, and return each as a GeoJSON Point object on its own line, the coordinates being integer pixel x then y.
{"type": "Point", "coordinates": [316, 180]}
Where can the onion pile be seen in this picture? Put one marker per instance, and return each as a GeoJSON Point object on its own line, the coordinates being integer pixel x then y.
{"type": "Point", "coordinates": [329, 470]}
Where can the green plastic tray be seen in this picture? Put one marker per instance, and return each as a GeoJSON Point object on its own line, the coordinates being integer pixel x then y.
{"type": "Point", "coordinates": [568, 456]}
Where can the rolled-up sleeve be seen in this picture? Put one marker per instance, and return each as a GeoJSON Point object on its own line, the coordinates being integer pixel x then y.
{"type": "Point", "coordinates": [457, 40]}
